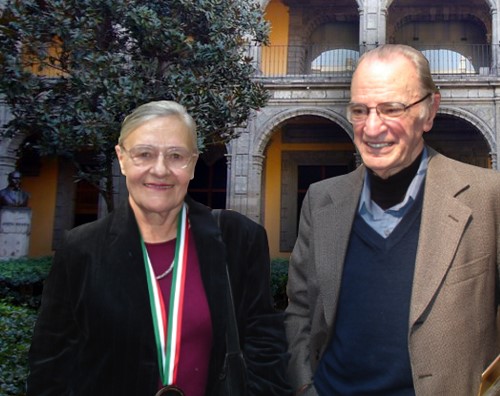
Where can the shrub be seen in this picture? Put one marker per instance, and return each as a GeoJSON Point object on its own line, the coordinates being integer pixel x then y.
{"type": "Point", "coordinates": [16, 328]}
{"type": "Point", "coordinates": [21, 280]}
{"type": "Point", "coordinates": [279, 278]}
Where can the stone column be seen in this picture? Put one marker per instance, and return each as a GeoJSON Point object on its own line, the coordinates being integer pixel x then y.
{"type": "Point", "coordinates": [494, 163]}
{"type": "Point", "coordinates": [15, 230]}
{"type": "Point", "coordinates": [244, 175]}
{"type": "Point", "coordinates": [372, 21]}
{"type": "Point", "coordinates": [495, 43]}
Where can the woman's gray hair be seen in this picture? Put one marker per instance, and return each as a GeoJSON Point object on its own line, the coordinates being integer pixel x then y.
{"type": "Point", "coordinates": [161, 108]}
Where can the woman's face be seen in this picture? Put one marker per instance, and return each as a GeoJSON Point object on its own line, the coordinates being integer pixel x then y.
{"type": "Point", "coordinates": [155, 186]}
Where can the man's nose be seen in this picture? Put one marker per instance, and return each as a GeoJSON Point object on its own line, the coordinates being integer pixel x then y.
{"type": "Point", "coordinates": [373, 121]}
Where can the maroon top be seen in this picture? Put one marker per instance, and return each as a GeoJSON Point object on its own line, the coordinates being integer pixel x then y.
{"type": "Point", "coordinates": [196, 337]}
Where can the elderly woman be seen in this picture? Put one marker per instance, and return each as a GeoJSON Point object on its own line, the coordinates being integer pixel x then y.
{"type": "Point", "coordinates": [135, 303]}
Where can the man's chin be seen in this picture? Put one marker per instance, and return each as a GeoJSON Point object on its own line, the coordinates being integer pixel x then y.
{"type": "Point", "coordinates": [382, 168]}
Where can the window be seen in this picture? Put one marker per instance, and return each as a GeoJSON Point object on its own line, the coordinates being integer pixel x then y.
{"type": "Point", "coordinates": [209, 183]}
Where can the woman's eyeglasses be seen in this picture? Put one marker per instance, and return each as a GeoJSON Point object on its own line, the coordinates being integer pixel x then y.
{"type": "Point", "coordinates": [173, 157]}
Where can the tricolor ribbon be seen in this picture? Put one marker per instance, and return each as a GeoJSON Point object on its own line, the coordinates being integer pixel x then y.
{"type": "Point", "coordinates": [168, 330]}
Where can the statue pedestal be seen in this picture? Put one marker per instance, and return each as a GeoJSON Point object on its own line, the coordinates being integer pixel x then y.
{"type": "Point", "coordinates": [15, 230]}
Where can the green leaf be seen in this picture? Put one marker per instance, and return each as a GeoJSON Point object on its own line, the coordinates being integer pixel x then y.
{"type": "Point", "coordinates": [98, 60]}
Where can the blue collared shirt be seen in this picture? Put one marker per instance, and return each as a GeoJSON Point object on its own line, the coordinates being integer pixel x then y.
{"type": "Point", "coordinates": [384, 221]}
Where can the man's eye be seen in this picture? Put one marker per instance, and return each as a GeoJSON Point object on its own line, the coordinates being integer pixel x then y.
{"type": "Point", "coordinates": [356, 111]}
{"type": "Point", "coordinates": [392, 110]}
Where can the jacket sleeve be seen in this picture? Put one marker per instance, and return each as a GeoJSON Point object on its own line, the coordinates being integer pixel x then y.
{"type": "Point", "coordinates": [298, 311]}
{"type": "Point", "coordinates": [262, 333]}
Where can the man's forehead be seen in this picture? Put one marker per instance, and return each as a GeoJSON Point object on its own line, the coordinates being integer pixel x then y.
{"type": "Point", "coordinates": [379, 75]}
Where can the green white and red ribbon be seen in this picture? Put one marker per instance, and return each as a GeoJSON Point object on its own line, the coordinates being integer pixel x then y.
{"type": "Point", "coordinates": [168, 331]}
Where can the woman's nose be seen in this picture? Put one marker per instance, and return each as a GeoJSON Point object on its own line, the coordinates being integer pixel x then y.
{"type": "Point", "coordinates": [160, 166]}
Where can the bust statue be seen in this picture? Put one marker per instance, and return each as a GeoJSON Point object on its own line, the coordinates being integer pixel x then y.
{"type": "Point", "coordinates": [12, 195]}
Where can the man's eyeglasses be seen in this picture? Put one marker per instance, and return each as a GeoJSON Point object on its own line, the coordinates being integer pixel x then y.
{"type": "Point", "coordinates": [358, 112]}
{"type": "Point", "coordinates": [173, 157]}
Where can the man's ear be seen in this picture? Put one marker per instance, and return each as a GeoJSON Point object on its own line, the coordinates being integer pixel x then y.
{"type": "Point", "coordinates": [429, 120]}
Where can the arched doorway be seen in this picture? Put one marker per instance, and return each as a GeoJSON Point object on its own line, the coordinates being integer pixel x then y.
{"type": "Point", "coordinates": [458, 139]}
{"type": "Point", "coordinates": [303, 150]}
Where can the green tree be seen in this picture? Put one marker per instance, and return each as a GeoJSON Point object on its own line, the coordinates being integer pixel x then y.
{"type": "Point", "coordinates": [70, 70]}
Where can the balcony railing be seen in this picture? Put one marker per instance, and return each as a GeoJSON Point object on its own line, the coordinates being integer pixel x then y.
{"type": "Point", "coordinates": [322, 60]}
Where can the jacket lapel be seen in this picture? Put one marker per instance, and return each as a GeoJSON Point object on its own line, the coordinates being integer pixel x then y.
{"type": "Point", "coordinates": [124, 241]}
{"type": "Point", "coordinates": [211, 258]}
{"type": "Point", "coordinates": [444, 219]}
{"type": "Point", "coordinates": [334, 224]}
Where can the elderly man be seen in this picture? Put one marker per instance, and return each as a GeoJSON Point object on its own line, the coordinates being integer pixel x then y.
{"type": "Point", "coordinates": [394, 278]}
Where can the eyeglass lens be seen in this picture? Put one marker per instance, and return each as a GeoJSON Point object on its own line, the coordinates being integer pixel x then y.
{"type": "Point", "coordinates": [359, 112]}
{"type": "Point", "coordinates": [174, 157]}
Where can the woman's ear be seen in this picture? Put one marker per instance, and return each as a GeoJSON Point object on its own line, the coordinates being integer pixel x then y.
{"type": "Point", "coordinates": [193, 166]}
{"type": "Point", "coordinates": [119, 155]}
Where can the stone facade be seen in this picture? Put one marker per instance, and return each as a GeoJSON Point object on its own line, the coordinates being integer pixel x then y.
{"type": "Point", "coordinates": [470, 99]}
{"type": "Point", "coordinates": [301, 90]}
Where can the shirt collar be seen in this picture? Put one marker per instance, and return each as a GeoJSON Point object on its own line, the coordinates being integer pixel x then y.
{"type": "Point", "coordinates": [366, 205]}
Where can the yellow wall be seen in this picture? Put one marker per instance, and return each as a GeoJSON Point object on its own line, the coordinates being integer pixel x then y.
{"type": "Point", "coordinates": [274, 59]}
{"type": "Point", "coordinates": [272, 195]}
{"type": "Point", "coordinates": [42, 190]}
{"type": "Point", "coordinates": [277, 15]}
{"type": "Point", "coordinates": [272, 188]}
{"type": "Point", "coordinates": [50, 66]}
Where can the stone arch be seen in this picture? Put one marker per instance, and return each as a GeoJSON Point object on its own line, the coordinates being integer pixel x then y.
{"type": "Point", "coordinates": [326, 18]}
{"type": "Point", "coordinates": [264, 3]}
{"type": "Point", "coordinates": [486, 132]}
{"type": "Point", "coordinates": [490, 3]}
{"type": "Point", "coordinates": [478, 16]}
{"type": "Point", "coordinates": [266, 130]}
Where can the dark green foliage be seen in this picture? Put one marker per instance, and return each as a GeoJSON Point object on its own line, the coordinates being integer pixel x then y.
{"type": "Point", "coordinates": [21, 280]}
{"type": "Point", "coordinates": [16, 329]}
{"type": "Point", "coordinates": [104, 58]}
{"type": "Point", "coordinates": [279, 278]}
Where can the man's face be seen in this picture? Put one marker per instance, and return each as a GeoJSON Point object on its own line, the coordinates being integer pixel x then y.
{"type": "Point", "coordinates": [389, 145]}
{"type": "Point", "coordinates": [15, 180]}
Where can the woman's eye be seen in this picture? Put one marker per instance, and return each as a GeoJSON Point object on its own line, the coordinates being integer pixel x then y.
{"type": "Point", "coordinates": [145, 154]}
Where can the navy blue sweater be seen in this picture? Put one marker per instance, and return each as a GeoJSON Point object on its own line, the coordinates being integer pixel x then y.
{"type": "Point", "coordinates": [368, 352]}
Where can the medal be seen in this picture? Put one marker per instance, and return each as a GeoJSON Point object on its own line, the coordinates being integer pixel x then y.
{"type": "Point", "coordinates": [170, 390]}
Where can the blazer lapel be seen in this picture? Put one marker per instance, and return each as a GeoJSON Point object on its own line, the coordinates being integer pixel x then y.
{"type": "Point", "coordinates": [211, 257]}
{"type": "Point", "coordinates": [124, 241]}
{"type": "Point", "coordinates": [444, 219]}
{"type": "Point", "coordinates": [333, 224]}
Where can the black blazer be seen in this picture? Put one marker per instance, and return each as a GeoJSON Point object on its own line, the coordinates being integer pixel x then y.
{"type": "Point", "coordinates": [94, 334]}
